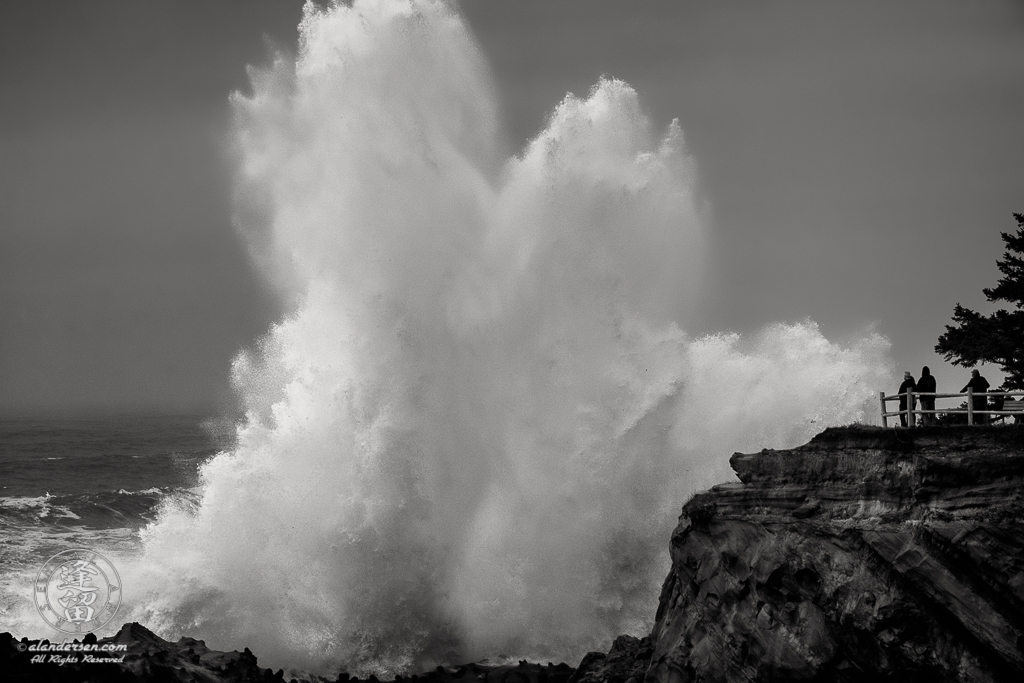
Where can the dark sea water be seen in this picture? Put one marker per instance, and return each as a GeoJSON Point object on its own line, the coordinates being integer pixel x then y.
{"type": "Point", "coordinates": [92, 483]}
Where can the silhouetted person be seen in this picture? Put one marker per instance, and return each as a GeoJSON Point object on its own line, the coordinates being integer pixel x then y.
{"type": "Point", "coordinates": [908, 385]}
{"type": "Point", "coordinates": [927, 385]}
{"type": "Point", "coordinates": [980, 403]}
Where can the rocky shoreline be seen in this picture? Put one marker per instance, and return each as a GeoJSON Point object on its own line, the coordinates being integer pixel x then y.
{"type": "Point", "coordinates": [148, 657]}
{"type": "Point", "coordinates": [868, 554]}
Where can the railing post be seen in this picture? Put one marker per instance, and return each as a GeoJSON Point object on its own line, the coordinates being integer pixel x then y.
{"type": "Point", "coordinates": [970, 405]}
{"type": "Point", "coordinates": [910, 408]}
{"type": "Point", "coordinates": [881, 400]}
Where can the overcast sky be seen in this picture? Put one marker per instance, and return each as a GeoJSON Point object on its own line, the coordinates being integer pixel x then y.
{"type": "Point", "coordinates": [858, 161]}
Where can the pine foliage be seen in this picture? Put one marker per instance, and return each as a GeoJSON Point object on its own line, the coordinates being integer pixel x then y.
{"type": "Point", "coordinates": [997, 338]}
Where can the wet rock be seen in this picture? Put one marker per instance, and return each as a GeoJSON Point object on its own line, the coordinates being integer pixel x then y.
{"type": "Point", "coordinates": [147, 657]}
{"type": "Point", "coordinates": [626, 662]}
{"type": "Point", "coordinates": [866, 555]}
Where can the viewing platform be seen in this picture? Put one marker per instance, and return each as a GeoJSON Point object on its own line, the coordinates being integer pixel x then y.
{"type": "Point", "coordinates": [999, 405]}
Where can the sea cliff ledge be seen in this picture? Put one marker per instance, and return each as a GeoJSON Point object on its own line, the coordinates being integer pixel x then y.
{"type": "Point", "coordinates": [868, 554]}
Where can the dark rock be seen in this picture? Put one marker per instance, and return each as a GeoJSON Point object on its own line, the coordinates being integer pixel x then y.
{"type": "Point", "coordinates": [868, 554]}
{"type": "Point", "coordinates": [627, 660]}
{"type": "Point", "coordinates": [146, 657]}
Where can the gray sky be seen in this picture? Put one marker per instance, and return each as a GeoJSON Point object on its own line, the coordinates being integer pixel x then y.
{"type": "Point", "coordinates": [858, 159]}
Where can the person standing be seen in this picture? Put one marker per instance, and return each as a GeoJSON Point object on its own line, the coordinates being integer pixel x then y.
{"type": "Point", "coordinates": [927, 385]}
{"type": "Point", "coordinates": [908, 385]}
{"type": "Point", "coordinates": [980, 403]}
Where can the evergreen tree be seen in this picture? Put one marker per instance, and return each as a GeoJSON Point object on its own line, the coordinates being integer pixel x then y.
{"type": "Point", "coordinates": [997, 338]}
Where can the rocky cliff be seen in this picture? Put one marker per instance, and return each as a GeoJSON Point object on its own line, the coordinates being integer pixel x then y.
{"type": "Point", "coordinates": [868, 554]}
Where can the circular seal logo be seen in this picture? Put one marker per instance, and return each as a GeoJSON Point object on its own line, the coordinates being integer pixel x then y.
{"type": "Point", "coordinates": [77, 591]}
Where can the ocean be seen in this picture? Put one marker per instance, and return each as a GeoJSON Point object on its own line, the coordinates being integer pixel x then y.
{"type": "Point", "coordinates": [87, 483]}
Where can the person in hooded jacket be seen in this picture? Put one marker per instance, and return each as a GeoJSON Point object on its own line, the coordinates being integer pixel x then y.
{"type": "Point", "coordinates": [908, 385]}
{"type": "Point", "coordinates": [980, 386]}
{"type": "Point", "coordinates": [927, 385]}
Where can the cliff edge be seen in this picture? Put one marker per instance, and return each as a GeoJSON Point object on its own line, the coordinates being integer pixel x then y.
{"type": "Point", "coordinates": [868, 554]}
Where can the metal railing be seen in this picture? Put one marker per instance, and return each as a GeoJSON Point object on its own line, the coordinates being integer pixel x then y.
{"type": "Point", "coordinates": [1006, 408]}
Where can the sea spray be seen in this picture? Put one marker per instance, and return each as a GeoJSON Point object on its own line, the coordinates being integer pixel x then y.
{"type": "Point", "coordinates": [471, 434]}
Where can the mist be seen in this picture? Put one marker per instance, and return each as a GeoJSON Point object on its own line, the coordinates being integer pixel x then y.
{"type": "Point", "coordinates": [470, 434]}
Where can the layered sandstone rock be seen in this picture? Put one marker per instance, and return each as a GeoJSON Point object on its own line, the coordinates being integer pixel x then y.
{"type": "Point", "coordinates": [866, 555]}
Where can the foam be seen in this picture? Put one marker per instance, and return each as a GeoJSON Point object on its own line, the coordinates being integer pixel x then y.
{"type": "Point", "coordinates": [472, 434]}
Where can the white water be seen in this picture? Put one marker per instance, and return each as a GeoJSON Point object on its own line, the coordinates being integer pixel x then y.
{"type": "Point", "coordinates": [472, 435]}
